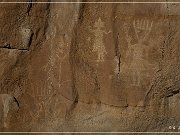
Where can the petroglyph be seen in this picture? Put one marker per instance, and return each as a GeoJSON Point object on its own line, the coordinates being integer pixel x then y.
{"type": "Point", "coordinates": [98, 45]}
{"type": "Point", "coordinates": [57, 55]}
{"type": "Point", "coordinates": [43, 96]}
{"type": "Point", "coordinates": [138, 63]}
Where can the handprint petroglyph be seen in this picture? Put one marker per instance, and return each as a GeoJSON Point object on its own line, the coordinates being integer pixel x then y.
{"type": "Point", "coordinates": [144, 26]}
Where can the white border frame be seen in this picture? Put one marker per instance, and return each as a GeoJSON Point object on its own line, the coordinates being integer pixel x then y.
{"type": "Point", "coordinates": [93, 132]}
{"type": "Point", "coordinates": [91, 2]}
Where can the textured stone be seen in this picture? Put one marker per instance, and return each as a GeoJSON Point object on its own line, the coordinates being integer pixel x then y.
{"type": "Point", "coordinates": [90, 67]}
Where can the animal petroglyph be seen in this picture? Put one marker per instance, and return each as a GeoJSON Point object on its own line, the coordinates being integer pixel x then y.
{"type": "Point", "coordinates": [98, 45]}
{"type": "Point", "coordinates": [138, 63]}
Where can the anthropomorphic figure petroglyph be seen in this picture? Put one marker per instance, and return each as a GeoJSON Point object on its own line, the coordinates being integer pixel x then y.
{"type": "Point", "coordinates": [6, 101]}
{"type": "Point", "coordinates": [98, 45]}
{"type": "Point", "coordinates": [138, 63]}
{"type": "Point", "coordinates": [57, 55]}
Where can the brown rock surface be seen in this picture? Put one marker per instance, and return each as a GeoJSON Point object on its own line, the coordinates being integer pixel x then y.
{"type": "Point", "coordinates": [90, 67]}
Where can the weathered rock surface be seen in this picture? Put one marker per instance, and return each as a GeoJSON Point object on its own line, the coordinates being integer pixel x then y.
{"type": "Point", "coordinates": [90, 67]}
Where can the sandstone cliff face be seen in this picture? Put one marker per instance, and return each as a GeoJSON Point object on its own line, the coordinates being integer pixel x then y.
{"type": "Point", "coordinates": [89, 67]}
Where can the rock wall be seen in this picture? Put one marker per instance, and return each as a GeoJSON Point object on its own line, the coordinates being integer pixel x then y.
{"type": "Point", "coordinates": [90, 67]}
